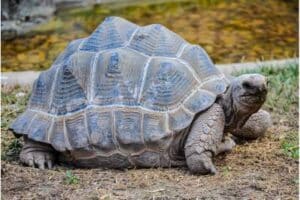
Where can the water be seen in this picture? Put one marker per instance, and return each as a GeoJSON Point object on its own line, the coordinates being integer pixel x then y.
{"type": "Point", "coordinates": [230, 31]}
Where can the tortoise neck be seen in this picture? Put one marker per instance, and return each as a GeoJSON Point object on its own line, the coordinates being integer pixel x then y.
{"type": "Point", "coordinates": [235, 115]}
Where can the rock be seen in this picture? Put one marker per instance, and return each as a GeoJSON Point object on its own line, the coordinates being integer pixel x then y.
{"type": "Point", "coordinates": [20, 94]}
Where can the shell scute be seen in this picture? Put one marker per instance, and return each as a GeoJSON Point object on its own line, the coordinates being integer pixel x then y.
{"type": "Point", "coordinates": [77, 131]}
{"type": "Point", "coordinates": [200, 101]}
{"type": "Point", "coordinates": [200, 61]}
{"type": "Point", "coordinates": [100, 130]}
{"type": "Point", "coordinates": [39, 128]}
{"type": "Point", "coordinates": [41, 92]}
{"type": "Point", "coordinates": [156, 40]}
{"type": "Point", "coordinates": [69, 96]}
{"type": "Point", "coordinates": [180, 119]}
{"type": "Point", "coordinates": [57, 137]}
{"type": "Point", "coordinates": [216, 85]}
{"type": "Point", "coordinates": [112, 33]}
{"type": "Point", "coordinates": [80, 66]}
{"type": "Point", "coordinates": [155, 130]}
{"type": "Point", "coordinates": [167, 84]}
{"type": "Point", "coordinates": [22, 123]}
{"type": "Point", "coordinates": [68, 52]}
{"type": "Point", "coordinates": [128, 130]}
{"type": "Point", "coordinates": [118, 77]}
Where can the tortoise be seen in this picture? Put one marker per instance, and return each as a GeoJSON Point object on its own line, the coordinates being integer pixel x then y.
{"type": "Point", "coordinates": [137, 96]}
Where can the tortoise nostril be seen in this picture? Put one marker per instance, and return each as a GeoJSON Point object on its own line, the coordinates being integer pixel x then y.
{"type": "Point", "coordinates": [246, 85]}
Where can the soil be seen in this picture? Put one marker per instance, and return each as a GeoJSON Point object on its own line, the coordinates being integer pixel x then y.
{"type": "Point", "coordinates": [253, 170]}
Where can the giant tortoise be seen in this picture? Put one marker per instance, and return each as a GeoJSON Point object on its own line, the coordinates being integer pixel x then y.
{"type": "Point", "coordinates": [137, 96]}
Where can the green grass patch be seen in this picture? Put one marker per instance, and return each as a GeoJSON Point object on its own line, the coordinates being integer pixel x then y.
{"type": "Point", "coordinates": [12, 151]}
{"type": "Point", "coordinates": [71, 178]}
{"type": "Point", "coordinates": [290, 145]}
{"type": "Point", "coordinates": [13, 102]}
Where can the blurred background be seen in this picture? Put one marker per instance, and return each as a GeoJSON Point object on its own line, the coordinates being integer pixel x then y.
{"type": "Point", "coordinates": [34, 32]}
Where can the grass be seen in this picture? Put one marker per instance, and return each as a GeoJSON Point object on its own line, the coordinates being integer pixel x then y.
{"type": "Point", "coordinates": [12, 151]}
{"type": "Point", "coordinates": [290, 145]}
{"type": "Point", "coordinates": [71, 178]}
{"type": "Point", "coordinates": [13, 103]}
{"type": "Point", "coordinates": [283, 95]}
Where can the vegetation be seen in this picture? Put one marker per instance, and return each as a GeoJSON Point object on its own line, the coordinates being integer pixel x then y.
{"type": "Point", "coordinates": [71, 178]}
{"type": "Point", "coordinates": [290, 145]}
{"type": "Point", "coordinates": [13, 103]}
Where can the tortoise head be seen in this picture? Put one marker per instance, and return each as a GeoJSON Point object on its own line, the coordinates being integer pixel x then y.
{"type": "Point", "coordinates": [245, 96]}
{"type": "Point", "coordinates": [249, 91]}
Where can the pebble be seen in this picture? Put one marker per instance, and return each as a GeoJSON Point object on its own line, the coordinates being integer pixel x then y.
{"type": "Point", "coordinates": [20, 94]}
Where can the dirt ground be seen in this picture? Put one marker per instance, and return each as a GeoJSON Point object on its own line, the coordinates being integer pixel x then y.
{"type": "Point", "coordinates": [253, 170]}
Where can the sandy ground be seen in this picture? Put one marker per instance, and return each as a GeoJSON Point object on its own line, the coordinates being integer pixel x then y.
{"type": "Point", "coordinates": [253, 170]}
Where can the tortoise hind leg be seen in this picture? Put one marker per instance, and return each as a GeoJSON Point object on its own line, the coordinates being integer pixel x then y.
{"type": "Point", "coordinates": [37, 154]}
{"type": "Point", "coordinates": [203, 140]}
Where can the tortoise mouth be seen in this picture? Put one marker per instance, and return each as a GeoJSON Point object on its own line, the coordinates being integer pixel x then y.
{"type": "Point", "coordinates": [252, 98]}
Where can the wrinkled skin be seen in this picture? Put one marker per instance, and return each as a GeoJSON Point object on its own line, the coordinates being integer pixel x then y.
{"type": "Point", "coordinates": [236, 112]}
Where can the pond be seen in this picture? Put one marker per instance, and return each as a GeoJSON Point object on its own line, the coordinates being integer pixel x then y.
{"type": "Point", "coordinates": [230, 31]}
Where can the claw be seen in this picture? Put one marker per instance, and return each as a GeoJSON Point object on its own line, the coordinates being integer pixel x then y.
{"type": "Point", "coordinates": [49, 164]}
{"type": "Point", "coordinates": [201, 164]}
{"type": "Point", "coordinates": [41, 165]}
{"type": "Point", "coordinates": [38, 155]}
{"type": "Point", "coordinates": [226, 146]}
{"type": "Point", "coordinates": [40, 161]}
{"type": "Point", "coordinates": [209, 167]}
{"type": "Point", "coordinates": [30, 162]}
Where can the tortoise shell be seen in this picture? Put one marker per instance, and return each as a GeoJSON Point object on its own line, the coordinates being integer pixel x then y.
{"type": "Point", "coordinates": [124, 87]}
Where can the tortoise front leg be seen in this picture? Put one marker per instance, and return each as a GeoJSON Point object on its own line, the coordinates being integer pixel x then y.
{"type": "Point", "coordinates": [203, 140]}
{"type": "Point", "coordinates": [256, 126]}
{"type": "Point", "coordinates": [37, 154]}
